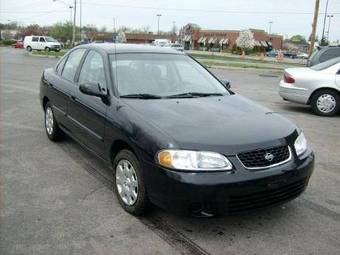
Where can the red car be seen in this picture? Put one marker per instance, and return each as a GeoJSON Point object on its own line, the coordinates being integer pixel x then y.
{"type": "Point", "coordinates": [19, 45]}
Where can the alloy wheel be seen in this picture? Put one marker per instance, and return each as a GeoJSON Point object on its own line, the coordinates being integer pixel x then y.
{"type": "Point", "coordinates": [326, 103]}
{"type": "Point", "coordinates": [126, 182]}
{"type": "Point", "coordinates": [49, 120]}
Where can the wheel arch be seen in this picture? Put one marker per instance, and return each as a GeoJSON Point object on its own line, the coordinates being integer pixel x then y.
{"type": "Point", "coordinates": [119, 145]}
{"type": "Point", "coordinates": [45, 101]}
{"type": "Point", "coordinates": [320, 89]}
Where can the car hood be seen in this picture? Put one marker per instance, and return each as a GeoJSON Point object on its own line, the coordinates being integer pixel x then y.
{"type": "Point", "coordinates": [230, 123]}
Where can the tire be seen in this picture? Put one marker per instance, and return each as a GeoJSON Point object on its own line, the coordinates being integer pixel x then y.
{"type": "Point", "coordinates": [47, 49]}
{"type": "Point", "coordinates": [52, 129]}
{"type": "Point", "coordinates": [129, 183]}
{"type": "Point", "coordinates": [325, 102]}
{"type": "Point", "coordinates": [29, 48]}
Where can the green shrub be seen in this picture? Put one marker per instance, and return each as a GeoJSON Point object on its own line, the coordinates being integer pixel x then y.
{"type": "Point", "coordinates": [7, 42]}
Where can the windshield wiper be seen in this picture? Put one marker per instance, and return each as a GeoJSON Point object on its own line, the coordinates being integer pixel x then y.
{"type": "Point", "coordinates": [141, 96]}
{"type": "Point", "coordinates": [194, 94]}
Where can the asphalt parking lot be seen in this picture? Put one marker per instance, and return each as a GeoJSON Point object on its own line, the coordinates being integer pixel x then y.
{"type": "Point", "coordinates": [56, 198]}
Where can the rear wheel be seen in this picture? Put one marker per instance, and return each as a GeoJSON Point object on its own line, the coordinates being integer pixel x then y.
{"type": "Point", "coordinates": [129, 183]}
{"type": "Point", "coordinates": [29, 48]}
{"type": "Point", "coordinates": [325, 102]}
{"type": "Point", "coordinates": [53, 131]}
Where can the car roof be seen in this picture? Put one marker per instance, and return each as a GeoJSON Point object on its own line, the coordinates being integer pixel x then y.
{"type": "Point", "coordinates": [111, 48]}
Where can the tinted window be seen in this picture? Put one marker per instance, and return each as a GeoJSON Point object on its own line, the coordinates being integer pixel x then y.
{"type": "Point", "coordinates": [329, 54]}
{"type": "Point", "coordinates": [42, 39]}
{"type": "Point", "coordinates": [93, 70]}
{"type": "Point", "coordinates": [35, 39]}
{"type": "Point", "coordinates": [325, 64]}
{"type": "Point", "coordinates": [61, 65]}
{"type": "Point", "coordinates": [163, 75]}
{"type": "Point", "coordinates": [72, 64]}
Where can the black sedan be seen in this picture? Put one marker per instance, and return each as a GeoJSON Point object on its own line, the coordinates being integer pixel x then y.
{"type": "Point", "coordinates": [175, 135]}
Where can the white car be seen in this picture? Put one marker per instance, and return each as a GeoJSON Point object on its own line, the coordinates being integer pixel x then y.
{"type": "Point", "coordinates": [317, 86]}
{"type": "Point", "coordinates": [46, 43]}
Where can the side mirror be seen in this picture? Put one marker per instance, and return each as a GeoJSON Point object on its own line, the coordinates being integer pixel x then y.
{"type": "Point", "coordinates": [226, 84]}
{"type": "Point", "coordinates": [93, 89]}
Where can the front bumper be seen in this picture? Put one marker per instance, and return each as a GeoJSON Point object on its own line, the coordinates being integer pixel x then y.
{"type": "Point", "coordinates": [293, 93]}
{"type": "Point", "coordinates": [226, 193]}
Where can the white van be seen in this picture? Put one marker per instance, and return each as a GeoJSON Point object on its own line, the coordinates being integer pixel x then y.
{"type": "Point", "coordinates": [46, 43]}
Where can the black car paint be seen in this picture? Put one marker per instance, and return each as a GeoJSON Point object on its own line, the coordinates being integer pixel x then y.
{"type": "Point", "coordinates": [226, 124]}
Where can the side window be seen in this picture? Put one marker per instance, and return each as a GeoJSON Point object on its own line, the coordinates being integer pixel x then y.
{"type": "Point", "coordinates": [93, 70]}
{"type": "Point", "coordinates": [72, 64]}
{"type": "Point", "coordinates": [61, 65]}
{"type": "Point", "coordinates": [35, 39]}
{"type": "Point", "coordinates": [330, 53]}
{"type": "Point", "coordinates": [41, 39]}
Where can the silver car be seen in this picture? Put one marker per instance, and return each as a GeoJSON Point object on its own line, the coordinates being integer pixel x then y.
{"type": "Point", "coordinates": [317, 86]}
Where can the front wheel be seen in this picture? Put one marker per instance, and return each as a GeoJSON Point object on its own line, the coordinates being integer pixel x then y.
{"type": "Point", "coordinates": [325, 102]}
{"type": "Point", "coordinates": [129, 183]}
{"type": "Point", "coordinates": [47, 49]}
{"type": "Point", "coordinates": [53, 131]}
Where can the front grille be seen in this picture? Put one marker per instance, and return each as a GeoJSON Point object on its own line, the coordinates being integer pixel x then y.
{"type": "Point", "coordinates": [266, 198]}
{"type": "Point", "coordinates": [264, 158]}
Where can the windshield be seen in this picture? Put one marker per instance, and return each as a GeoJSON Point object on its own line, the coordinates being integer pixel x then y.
{"type": "Point", "coordinates": [162, 75]}
{"type": "Point", "coordinates": [50, 39]}
{"type": "Point", "coordinates": [326, 64]}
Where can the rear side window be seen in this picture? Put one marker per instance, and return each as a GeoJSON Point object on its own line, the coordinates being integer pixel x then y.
{"type": "Point", "coordinates": [72, 64]}
{"type": "Point", "coordinates": [329, 54]}
{"type": "Point", "coordinates": [35, 39]}
{"type": "Point", "coordinates": [61, 65]}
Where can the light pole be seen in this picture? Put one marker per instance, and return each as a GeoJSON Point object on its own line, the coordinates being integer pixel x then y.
{"type": "Point", "coordinates": [74, 17]}
{"type": "Point", "coordinates": [324, 22]}
{"type": "Point", "coordinates": [270, 26]}
{"type": "Point", "coordinates": [329, 25]}
{"type": "Point", "coordinates": [80, 14]}
{"type": "Point", "coordinates": [71, 7]}
{"type": "Point", "coordinates": [158, 17]}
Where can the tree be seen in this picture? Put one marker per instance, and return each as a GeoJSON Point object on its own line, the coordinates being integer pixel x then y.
{"type": "Point", "coordinates": [298, 39]}
{"type": "Point", "coordinates": [246, 40]}
{"type": "Point", "coordinates": [33, 29]}
{"type": "Point", "coordinates": [61, 31]}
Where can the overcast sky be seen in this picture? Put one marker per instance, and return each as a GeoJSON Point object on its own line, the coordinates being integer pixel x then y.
{"type": "Point", "coordinates": [289, 16]}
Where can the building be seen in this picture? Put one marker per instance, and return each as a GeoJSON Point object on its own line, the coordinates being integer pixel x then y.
{"type": "Point", "coordinates": [216, 40]}
{"type": "Point", "coordinates": [139, 38]}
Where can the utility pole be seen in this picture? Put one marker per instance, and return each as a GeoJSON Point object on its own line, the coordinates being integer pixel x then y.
{"type": "Point", "coordinates": [158, 16]}
{"type": "Point", "coordinates": [74, 22]}
{"type": "Point", "coordinates": [315, 22]}
{"type": "Point", "coordinates": [324, 22]}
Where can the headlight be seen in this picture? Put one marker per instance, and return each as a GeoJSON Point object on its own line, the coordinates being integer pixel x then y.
{"type": "Point", "coordinates": [300, 144]}
{"type": "Point", "coordinates": [193, 160]}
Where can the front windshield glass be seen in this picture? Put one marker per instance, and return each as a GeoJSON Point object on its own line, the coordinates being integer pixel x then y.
{"type": "Point", "coordinates": [162, 75]}
{"type": "Point", "coordinates": [326, 64]}
{"type": "Point", "coordinates": [50, 39]}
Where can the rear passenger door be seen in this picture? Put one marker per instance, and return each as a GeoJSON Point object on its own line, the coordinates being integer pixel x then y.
{"type": "Point", "coordinates": [88, 113]}
{"type": "Point", "coordinates": [62, 84]}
